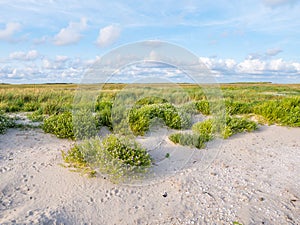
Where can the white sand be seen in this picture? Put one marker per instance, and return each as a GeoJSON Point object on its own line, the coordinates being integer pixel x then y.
{"type": "Point", "coordinates": [254, 179]}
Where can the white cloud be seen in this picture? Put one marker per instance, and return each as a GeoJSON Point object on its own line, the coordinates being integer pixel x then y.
{"type": "Point", "coordinates": [108, 35]}
{"type": "Point", "coordinates": [9, 30]}
{"type": "Point", "coordinates": [24, 56]}
{"type": "Point", "coordinates": [61, 58]}
{"type": "Point", "coordinates": [251, 66]}
{"type": "Point", "coordinates": [71, 34]}
{"type": "Point", "coordinates": [274, 3]}
{"type": "Point", "coordinates": [257, 69]}
{"type": "Point", "coordinates": [279, 65]}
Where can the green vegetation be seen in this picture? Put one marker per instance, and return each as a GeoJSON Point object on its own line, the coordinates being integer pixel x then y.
{"type": "Point", "coordinates": [284, 111]}
{"type": "Point", "coordinates": [236, 125]}
{"type": "Point", "coordinates": [140, 117]}
{"type": "Point", "coordinates": [115, 157]}
{"type": "Point", "coordinates": [211, 128]}
{"type": "Point", "coordinates": [75, 160]}
{"type": "Point", "coordinates": [61, 125]}
{"type": "Point", "coordinates": [126, 111]}
{"type": "Point", "coordinates": [185, 139]}
{"type": "Point", "coordinates": [5, 123]}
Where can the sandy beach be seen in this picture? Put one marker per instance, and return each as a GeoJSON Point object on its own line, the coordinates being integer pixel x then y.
{"type": "Point", "coordinates": [254, 179]}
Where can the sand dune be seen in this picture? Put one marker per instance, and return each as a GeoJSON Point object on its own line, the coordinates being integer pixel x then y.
{"type": "Point", "coordinates": [252, 178]}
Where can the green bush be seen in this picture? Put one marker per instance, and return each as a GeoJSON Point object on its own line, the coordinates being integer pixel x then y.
{"type": "Point", "coordinates": [140, 118]}
{"type": "Point", "coordinates": [236, 125]}
{"type": "Point", "coordinates": [235, 107]}
{"type": "Point", "coordinates": [205, 129]}
{"type": "Point", "coordinates": [103, 114]}
{"type": "Point", "coordinates": [192, 140]}
{"type": "Point", "coordinates": [210, 128]}
{"type": "Point", "coordinates": [74, 158]}
{"type": "Point", "coordinates": [85, 125]}
{"type": "Point", "coordinates": [284, 112]}
{"type": "Point", "coordinates": [5, 123]}
{"type": "Point", "coordinates": [61, 125]}
{"type": "Point", "coordinates": [203, 107]}
{"type": "Point", "coordinates": [114, 156]}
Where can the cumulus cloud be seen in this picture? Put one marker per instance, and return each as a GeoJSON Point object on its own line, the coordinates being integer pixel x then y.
{"type": "Point", "coordinates": [71, 34]}
{"type": "Point", "coordinates": [9, 30]}
{"type": "Point", "coordinates": [24, 56]}
{"type": "Point", "coordinates": [256, 69]}
{"type": "Point", "coordinates": [108, 35]}
{"type": "Point", "coordinates": [251, 66]}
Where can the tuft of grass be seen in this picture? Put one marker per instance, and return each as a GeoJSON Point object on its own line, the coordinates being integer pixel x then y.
{"type": "Point", "coordinates": [191, 140]}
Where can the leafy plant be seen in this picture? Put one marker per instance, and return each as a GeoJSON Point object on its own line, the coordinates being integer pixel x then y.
{"type": "Point", "coordinates": [5, 123]}
{"type": "Point", "coordinates": [232, 125]}
{"type": "Point", "coordinates": [61, 125]}
{"type": "Point", "coordinates": [140, 118]}
{"type": "Point", "coordinates": [74, 158]}
{"type": "Point", "coordinates": [203, 107]}
{"type": "Point", "coordinates": [284, 112]}
{"type": "Point", "coordinates": [236, 125]}
{"type": "Point", "coordinates": [205, 129]}
{"type": "Point", "coordinates": [117, 157]}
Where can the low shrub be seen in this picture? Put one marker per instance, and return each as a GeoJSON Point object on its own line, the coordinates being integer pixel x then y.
{"type": "Point", "coordinates": [61, 125]}
{"type": "Point", "coordinates": [140, 118]}
{"type": "Point", "coordinates": [213, 127]}
{"type": "Point", "coordinates": [235, 107]}
{"type": "Point", "coordinates": [74, 158]}
{"type": "Point", "coordinates": [205, 129]}
{"type": "Point", "coordinates": [203, 107]}
{"type": "Point", "coordinates": [114, 156]}
{"type": "Point", "coordinates": [236, 125]}
{"type": "Point", "coordinates": [5, 123]}
{"type": "Point", "coordinates": [283, 112]}
{"type": "Point", "coordinates": [85, 125]}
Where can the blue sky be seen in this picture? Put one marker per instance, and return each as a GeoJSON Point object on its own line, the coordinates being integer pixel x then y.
{"type": "Point", "coordinates": [56, 41]}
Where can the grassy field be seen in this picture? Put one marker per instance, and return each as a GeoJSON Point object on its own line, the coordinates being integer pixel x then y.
{"type": "Point", "coordinates": [74, 112]}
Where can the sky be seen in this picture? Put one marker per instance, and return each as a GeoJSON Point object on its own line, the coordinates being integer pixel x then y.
{"type": "Point", "coordinates": [48, 41]}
